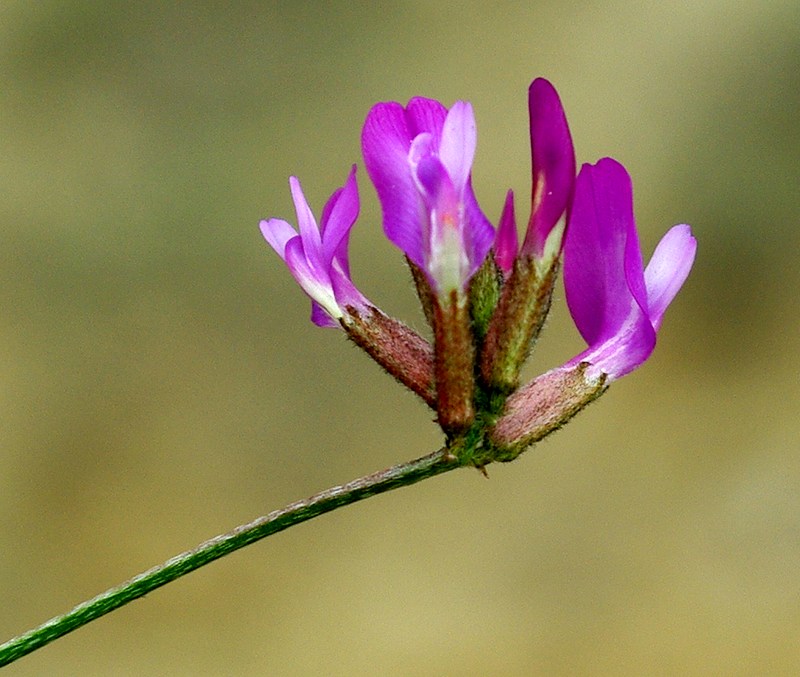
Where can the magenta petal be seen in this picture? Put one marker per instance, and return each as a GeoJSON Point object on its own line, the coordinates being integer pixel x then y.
{"type": "Point", "coordinates": [306, 223]}
{"type": "Point", "coordinates": [478, 232]}
{"type": "Point", "coordinates": [553, 162]}
{"type": "Point", "coordinates": [623, 352]}
{"type": "Point", "coordinates": [425, 115]}
{"type": "Point", "coordinates": [315, 282]}
{"type": "Point", "coordinates": [668, 269]}
{"type": "Point", "coordinates": [457, 148]}
{"type": "Point", "coordinates": [386, 140]}
{"type": "Point", "coordinates": [505, 241]}
{"type": "Point", "coordinates": [434, 184]}
{"type": "Point", "coordinates": [338, 217]}
{"type": "Point", "coordinates": [457, 151]}
{"type": "Point", "coordinates": [320, 317]}
{"type": "Point", "coordinates": [327, 209]}
{"type": "Point", "coordinates": [347, 294]}
{"type": "Point", "coordinates": [596, 258]}
{"type": "Point", "coordinates": [277, 233]}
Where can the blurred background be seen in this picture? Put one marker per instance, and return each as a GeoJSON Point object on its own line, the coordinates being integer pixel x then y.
{"type": "Point", "coordinates": [160, 381]}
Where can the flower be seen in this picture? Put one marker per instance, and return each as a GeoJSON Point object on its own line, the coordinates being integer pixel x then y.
{"type": "Point", "coordinates": [553, 176]}
{"type": "Point", "coordinates": [420, 158]}
{"type": "Point", "coordinates": [529, 278]}
{"type": "Point", "coordinates": [615, 302]}
{"type": "Point", "coordinates": [317, 256]}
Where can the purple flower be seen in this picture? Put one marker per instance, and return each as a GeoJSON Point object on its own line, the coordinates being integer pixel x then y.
{"type": "Point", "coordinates": [616, 303]}
{"type": "Point", "coordinates": [553, 176]}
{"type": "Point", "coordinates": [317, 256]}
{"type": "Point", "coordinates": [420, 158]}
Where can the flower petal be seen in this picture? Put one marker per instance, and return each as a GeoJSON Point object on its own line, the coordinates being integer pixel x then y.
{"type": "Point", "coordinates": [553, 163]}
{"type": "Point", "coordinates": [277, 233]}
{"type": "Point", "coordinates": [425, 115]}
{"type": "Point", "coordinates": [306, 223]}
{"type": "Point", "coordinates": [338, 217]}
{"type": "Point", "coordinates": [347, 294]}
{"type": "Point", "coordinates": [478, 231]}
{"type": "Point", "coordinates": [314, 282]}
{"type": "Point", "coordinates": [321, 318]}
{"type": "Point", "coordinates": [601, 250]}
{"type": "Point", "coordinates": [457, 147]}
{"type": "Point", "coordinates": [446, 256]}
{"type": "Point", "coordinates": [434, 184]}
{"type": "Point", "coordinates": [621, 353]}
{"type": "Point", "coordinates": [385, 140]}
{"type": "Point", "coordinates": [668, 269]}
{"type": "Point", "coordinates": [505, 241]}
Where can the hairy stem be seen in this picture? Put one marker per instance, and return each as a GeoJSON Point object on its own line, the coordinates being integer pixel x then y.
{"type": "Point", "coordinates": [400, 475]}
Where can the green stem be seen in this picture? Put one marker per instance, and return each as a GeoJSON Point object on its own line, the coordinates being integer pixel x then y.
{"type": "Point", "coordinates": [400, 475]}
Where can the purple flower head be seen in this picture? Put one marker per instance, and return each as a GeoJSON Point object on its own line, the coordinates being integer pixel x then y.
{"type": "Point", "coordinates": [317, 256]}
{"type": "Point", "coordinates": [420, 158]}
{"type": "Point", "coordinates": [616, 303]}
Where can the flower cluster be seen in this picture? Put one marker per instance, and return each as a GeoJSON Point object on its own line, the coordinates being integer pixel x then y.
{"type": "Point", "coordinates": [486, 296]}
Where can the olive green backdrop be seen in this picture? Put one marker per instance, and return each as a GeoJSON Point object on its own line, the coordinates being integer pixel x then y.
{"type": "Point", "coordinates": [160, 381]}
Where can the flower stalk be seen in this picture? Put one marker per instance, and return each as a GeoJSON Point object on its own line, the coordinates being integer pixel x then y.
{"type": "Point", "coordinates": [397, 476]}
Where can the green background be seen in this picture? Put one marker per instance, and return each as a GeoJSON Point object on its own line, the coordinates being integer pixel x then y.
{"type": "Point", "coordinates": [160, 381]}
